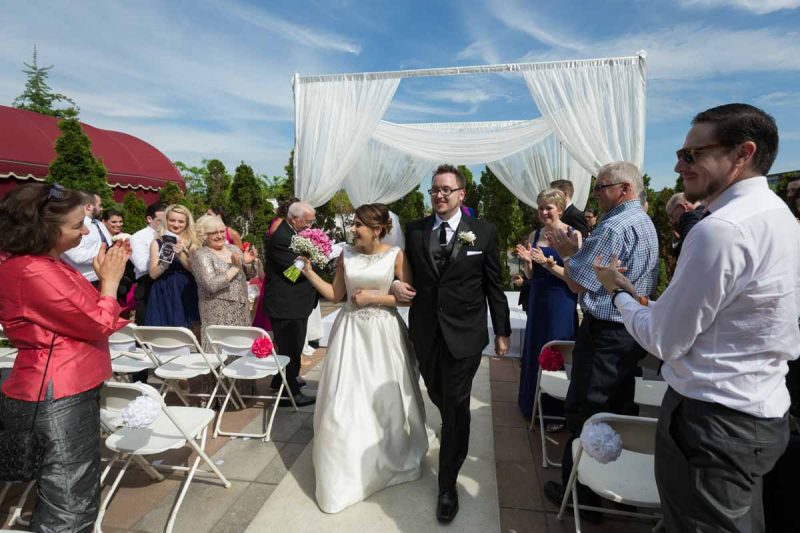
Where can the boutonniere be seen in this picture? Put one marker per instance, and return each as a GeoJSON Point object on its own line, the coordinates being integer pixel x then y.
{"type": "Point", "coordinates": [466, 237]}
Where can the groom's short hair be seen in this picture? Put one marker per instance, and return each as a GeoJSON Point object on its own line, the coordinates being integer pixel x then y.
{"type": "Point", "coordinates": [450, 169]}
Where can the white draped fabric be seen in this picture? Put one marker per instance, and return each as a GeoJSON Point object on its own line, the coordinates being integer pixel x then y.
{"type": "Point", "coordinates": [596, 108]}
{"type": "Point", "coordinates": [528, 172]}
{"type": "Point", "coordinates": [333, 124]}
{"type": "Point", "coordinates": [384, 174]}
{"type": "Point", "coordinates": [463, 143]}
{"type": "Point", "coordinates": [592, 114]}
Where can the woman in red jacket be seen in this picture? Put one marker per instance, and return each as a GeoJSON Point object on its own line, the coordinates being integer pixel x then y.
{"type": "Point", "coordinates": [49, 310]}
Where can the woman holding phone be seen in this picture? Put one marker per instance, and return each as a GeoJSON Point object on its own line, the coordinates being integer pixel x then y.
{"type": "Point", "coordinates": [173, 294]}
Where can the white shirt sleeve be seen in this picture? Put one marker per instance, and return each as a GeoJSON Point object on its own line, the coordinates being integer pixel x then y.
{"type": "Point", "coordinates": [713, 268]}
{"type": "Point", "coordinates": [140, 251]}
{"type": "Point", "coordinates": [87, 250]}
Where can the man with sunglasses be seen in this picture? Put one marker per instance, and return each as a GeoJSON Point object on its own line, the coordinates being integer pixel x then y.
{"type": "Point", "coordinates": [725, 327]}
{"type": "Point", "coordinates": [605, 357]}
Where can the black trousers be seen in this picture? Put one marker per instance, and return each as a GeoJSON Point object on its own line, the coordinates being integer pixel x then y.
{"type": "Point", "coordinates": [290, 339]}
{"type": "Point", "coordinates": [140, 295]}
{"type": "Point", "coordinates": [710, 463]}
{"type": "Point", "coordinates": [604, 366]}
{"type": "Point", "coordinates": [68, 485]}
{"type": "Point", "coordinates": [449, 384]}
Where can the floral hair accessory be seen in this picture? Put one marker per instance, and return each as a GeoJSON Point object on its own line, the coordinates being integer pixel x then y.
{"type": "Point", "coordinates": [551, 359]}
{"type": "Point", "coordinates": [262, 347]}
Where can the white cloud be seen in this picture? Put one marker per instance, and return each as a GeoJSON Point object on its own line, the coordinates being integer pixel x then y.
{"type": "Point", "coordinates": [779, 98]}
{"type": "Point", "coordinates": [759, 7]}
{"type": "Point", "coordinates": [520, 17]}
{"type": "Point", "coordinates": [300, 34]}
{"type": "Point", "coordinates": [482, 50]}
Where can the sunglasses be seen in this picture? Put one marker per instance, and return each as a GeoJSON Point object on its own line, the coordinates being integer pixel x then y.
{"type": "Point", "coordinates": [689, 155]}
{"type": "Point", "coordinates": [56, 191]}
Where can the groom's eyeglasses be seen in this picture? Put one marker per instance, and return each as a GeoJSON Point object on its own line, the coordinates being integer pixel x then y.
{"type": "Point", "coordinates": [446, 191]}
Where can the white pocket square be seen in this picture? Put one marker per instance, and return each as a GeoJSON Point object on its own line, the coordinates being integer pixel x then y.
{"type": "Point", "coordinates": [477, 252]}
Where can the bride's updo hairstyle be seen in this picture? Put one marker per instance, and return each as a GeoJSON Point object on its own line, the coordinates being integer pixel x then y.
{"type": "Point", "coordinates": [375, 216]}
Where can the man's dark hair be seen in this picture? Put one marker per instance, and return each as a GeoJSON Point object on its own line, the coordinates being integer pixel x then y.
{"type": "Point", "coordinates": [564, 186]}
{"type": "Point", "coordinates": [108, 213]}
{"type": "Point", "coordinates": [88, 195]}
{"type": "Point", "coordinates": [152, 209]}
{"type": "Point", "coordinates": [450, 169]}
{"type": "Point", "coordinates": [31, 217]}
{"type": "Point", "coordinates": [738, 123]}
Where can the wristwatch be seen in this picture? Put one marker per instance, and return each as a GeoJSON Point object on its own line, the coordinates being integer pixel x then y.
{"type": "Point", "coordinates": [642, 300]}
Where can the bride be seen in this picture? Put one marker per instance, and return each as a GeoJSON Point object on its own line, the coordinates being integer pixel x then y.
{"type": "Point", "coordinates": [369, 422]}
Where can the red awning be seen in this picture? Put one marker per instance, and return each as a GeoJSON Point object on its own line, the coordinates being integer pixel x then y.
{"type": "Point", "coordinates": [27, 141]}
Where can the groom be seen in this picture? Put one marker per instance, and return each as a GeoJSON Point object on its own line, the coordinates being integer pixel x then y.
{"type": "Point", "coordinates": [456, 269]}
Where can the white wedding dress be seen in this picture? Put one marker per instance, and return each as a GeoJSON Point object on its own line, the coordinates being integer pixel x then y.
{"type": "Point", "coordinates": [369, 422]}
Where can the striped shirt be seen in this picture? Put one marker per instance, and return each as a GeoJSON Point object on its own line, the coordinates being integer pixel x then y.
{"type": "Point", "coordinates": [627, 232]}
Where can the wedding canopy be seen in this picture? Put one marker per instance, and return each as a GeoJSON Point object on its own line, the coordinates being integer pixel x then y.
{"type": "Point", "coordinates": [592, 113]}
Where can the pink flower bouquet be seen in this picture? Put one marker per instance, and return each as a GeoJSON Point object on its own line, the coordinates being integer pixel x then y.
{"type": "Point", "coordinates": [262, 347]}
{"type": "Point", "coordinates": [312, 244]}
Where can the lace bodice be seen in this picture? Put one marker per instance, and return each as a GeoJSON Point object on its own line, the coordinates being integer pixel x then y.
{"type": "Point", "coordinates": [371, 272]}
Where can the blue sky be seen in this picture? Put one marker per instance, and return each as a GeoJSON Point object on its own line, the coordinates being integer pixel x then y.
{"type": "Point", "coordinates": [202, 79]}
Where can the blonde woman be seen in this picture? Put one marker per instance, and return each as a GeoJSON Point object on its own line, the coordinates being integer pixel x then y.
{"type": "Point", "coordinates": [551, 304]}
{"type": "Point", "coordinates": [173, 294]}
{"type": "Point", "coordinates": [221, 271]}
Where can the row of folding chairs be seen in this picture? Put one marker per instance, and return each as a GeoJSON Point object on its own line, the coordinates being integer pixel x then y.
{"type": "Point", "coordinates": [629, 480]}
{"type": "Point", "coordinates": [174, 354]}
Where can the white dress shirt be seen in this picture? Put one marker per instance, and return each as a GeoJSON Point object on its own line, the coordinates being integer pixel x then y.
{"type": "Point", "coordinates": [140, 250]}
{"type": "Point", "coordinates": [727, 324]}
{"type": "Point", "coordinates": [452, 224]}
{"type": "Point", "coordinates": [81, 256]}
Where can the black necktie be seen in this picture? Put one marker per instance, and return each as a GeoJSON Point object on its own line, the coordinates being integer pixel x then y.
{"type": "Point", "coordinates": [443, 235]}
{"type": "Point", "coordinates": [705, 214]}
{"type": "Point", "coordinates": [102, 235]}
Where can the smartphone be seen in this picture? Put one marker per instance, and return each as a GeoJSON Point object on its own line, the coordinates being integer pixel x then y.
{"type": "Point", "coordinates": [167, 252]}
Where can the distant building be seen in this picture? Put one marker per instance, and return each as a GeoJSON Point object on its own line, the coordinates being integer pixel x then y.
{"type": "Point", "coordinates": [27, 141]}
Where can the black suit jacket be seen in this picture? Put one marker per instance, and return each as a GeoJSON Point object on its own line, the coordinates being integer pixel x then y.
{"type": "Point", "coordinates": [282, 297]}
{"type": "Point", "coordinates": [455, 302]}
{"type": "Point", "coordinates": [573, 216]}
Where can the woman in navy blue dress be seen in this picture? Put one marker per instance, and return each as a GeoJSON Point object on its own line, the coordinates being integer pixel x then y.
{"type": "Point", "coordinates": [173, 299]}
{"type": "Point", "coordinates": [551, 304]}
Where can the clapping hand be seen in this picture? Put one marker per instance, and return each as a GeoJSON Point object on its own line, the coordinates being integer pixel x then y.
{"type": "Point", "coordinates": [566, 243]}
{"type": "Point", "coordinates": [250, 255]}
{"type": "Point", "coordinates": [611, 275]}
{"type": "Point", "coordinates": [538, 256]}
{"type": "Point", "coordinates": [236, 259]}
{"type": "Point", "coordinates": [109, 263]}
{"type": "Point", "coordinates": [524, 252]}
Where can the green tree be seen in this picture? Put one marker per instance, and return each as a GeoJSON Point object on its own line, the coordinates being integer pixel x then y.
{"type": "Point", "coordinates": [218, 181]}
{"type": "Point", "coordinates": [195, 196]}
{"type": "Point", "coordinates": [342, 208]}
{"type": "Point", "coordinates": [409, 207]}
{"type": "Point", "coordinates": [39, 97]}
{"type": "Point", "coordinates": [250, 212]}
{"type": "Point", "coordinates": [472, 199]}
{"type": "Point", "coordinates": [75, 167]}
{"type": "Point", "coordinates": [170, 194]}
{"type": "Point", "coordinates": [500, 207]}
{"type": "Point", "coordinates": [134, 213]}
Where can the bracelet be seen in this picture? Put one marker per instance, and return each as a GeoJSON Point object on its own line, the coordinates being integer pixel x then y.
{"type": "Point", "coordinates": [617, 292]}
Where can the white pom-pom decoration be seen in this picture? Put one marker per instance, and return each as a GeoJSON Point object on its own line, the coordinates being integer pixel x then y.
{"type": "Point", "coordinates": [601, 442]}
{"type": "Point", "coordinates": [141, 412]}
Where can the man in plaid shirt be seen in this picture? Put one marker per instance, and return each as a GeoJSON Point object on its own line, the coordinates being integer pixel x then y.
{"type": "Point", "coordinates": [605, 356]}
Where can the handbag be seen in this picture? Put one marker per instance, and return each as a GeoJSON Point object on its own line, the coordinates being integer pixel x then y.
{"type": "Point", "coordinates": [22, 450]}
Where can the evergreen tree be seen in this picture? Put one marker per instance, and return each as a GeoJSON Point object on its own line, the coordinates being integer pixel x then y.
{"type": "Point", "coordinates": [74, 166]}
{"type": "Point", "coordinates": [218, 181]}
{"type": "Point", "coordinates": [409, 207]}
{"type": "Point", "coordinates": [170, 194]}
{"type": "Point", "coordinates": [195, 196]}
{"type": "Point", "coordinates": [249, 210]}
{"type": "Point", "coordinates": [473, 197]}
{"type": "Point", "coordinates": [500, 207]}
{"type": "Point", "coordinates": [134, 213]}
{"type": "Point", "coordinates": [39, 97]}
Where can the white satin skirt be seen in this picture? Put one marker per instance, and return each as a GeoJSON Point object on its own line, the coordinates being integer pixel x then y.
{"type": "Point", "coordinates": [369, 420]}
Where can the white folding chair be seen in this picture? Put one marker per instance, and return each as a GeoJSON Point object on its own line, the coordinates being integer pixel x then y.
{"type": "Point", "coordinates": [554, 383]}
{"type": "Point", "coordinates": [649, 392]}
{"type": "Point", "coordinates": [178, 356]}
{"type": "Point", "coordinates": [126, 358]}
{"type": "Point", "coordinates": [629, 480]}
{"type": "Point", "coordinates": [236, 341]}
{"type": "Point", "coordinates": [175, 427]}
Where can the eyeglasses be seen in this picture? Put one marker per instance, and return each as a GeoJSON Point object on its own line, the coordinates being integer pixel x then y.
{"type": "Point", "coordinates": [446, 191]}
{"type": "Point", "coordinates": [597, 187]}
{"type": "Point", "coordinates": [218, 232]}
{"type": "Point", "coordinates": [689, 155]}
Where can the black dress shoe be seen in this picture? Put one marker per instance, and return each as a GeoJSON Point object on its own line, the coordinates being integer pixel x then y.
{"type": "Point", "coordinates": [554, 492]}
{"type": "Point", "coordinates": [447, 506]}
{"type": "Point", "coordinates": [300, 400]}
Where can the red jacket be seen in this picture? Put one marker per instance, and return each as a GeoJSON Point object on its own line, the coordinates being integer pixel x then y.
{"type": "Point", "coordinates": [40, 296]}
